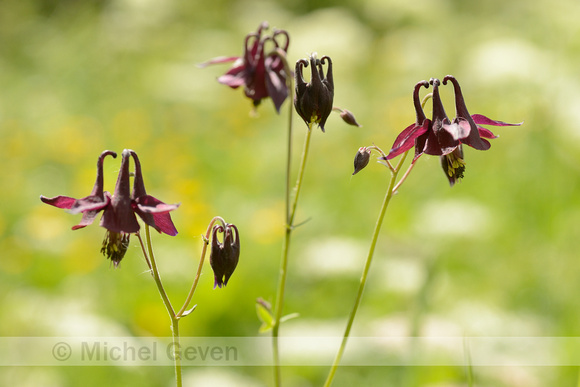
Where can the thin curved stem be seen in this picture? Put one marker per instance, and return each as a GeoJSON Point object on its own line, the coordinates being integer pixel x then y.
{"type": "Point", "coordinates": [155, 273]}
{"type": "Point", "coordinates": [288, 217]}
{"type": "Point", "coordinates": [200, 265]}
{"type": "Point", "coordinates": [298, 186]}
{"type": "Point", "coordinates": [407, 172]}
{"type": "Point", "coordinates": [150, 258]}
{"type": "Point", "coordinates": [291, 212]}
{"type": "Point", "coordinates": [144, 249]}
{"type": "Point", "coordinates": [363, 280]}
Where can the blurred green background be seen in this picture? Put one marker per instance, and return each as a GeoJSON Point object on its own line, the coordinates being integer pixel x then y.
{"type": "Point", "coordinates": [496, 255]}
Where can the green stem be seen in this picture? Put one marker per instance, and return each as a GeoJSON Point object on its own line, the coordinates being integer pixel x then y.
{"type": "Point", "coordinates": [200, 265]}
{"type": "Point", "coordinates": [176, 350]}
{"type": "Point", "coordinates": [290, 212]}
{"type": "Point", "coordinates": [289, 156]}
{"type": "Point", "coordinates": [298, 186]}
{"type": "Point", "coordinates": [363, 280]}
{"type": "Point", "coordinates": [150, 258]}
{"type": "Point", "coordinates": [155, 272]}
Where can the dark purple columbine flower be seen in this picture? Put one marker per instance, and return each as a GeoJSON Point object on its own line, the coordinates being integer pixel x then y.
{"type": "Point", "coordinates": [313, 100]}
{"type": "Point", "coordinates": [119, 218]}
{"type": "Point", "coordinates": [119, 209]}
{"type": "Point", "coordinates": [262, 74]}
{"type": "Point", "coordinates": [224, 255]}
{"type": "Point", "coordinates": [442, 137]}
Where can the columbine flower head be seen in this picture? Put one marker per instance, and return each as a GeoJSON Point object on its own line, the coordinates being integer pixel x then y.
{"type": "Point", "coordinates": [313, 100]}
{"type": "Point", "coordinates": [442, 137]}
{"type": "Point", "coordinates": [120, 208]}
{"type": "Point", "coordinates": [224, 255]}
{"type": "Point", "coordinates": [261, 73]}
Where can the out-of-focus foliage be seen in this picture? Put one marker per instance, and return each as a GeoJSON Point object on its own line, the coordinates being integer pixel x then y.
{"type": "Point", "coordinates": [496, 255]}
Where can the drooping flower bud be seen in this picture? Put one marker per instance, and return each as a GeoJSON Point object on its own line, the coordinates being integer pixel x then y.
{"type": "Point", "coordinates": [361, 159]}
{"type": "Point", "coordinates": [347, 116]}
{"type": "Point", "coordinates": [224, 255]}
{"type": "Point", "coordinates": [313, 100]}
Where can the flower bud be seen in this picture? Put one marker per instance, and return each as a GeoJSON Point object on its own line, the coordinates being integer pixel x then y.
{"type": "Point", "coordinates": [361, 159]}
{"type": "Point", "coordinates": [224, 255]}
{"type": "Point", "coordinates": [349, 118]}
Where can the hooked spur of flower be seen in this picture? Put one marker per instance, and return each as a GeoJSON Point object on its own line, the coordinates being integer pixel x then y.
{"type": "Point", "coordinates": [224, 255]}
{"type": "Point", "coordinates": [313, 100]}
{"type": "Point", "coordinates": [153, 211]}
{"type": "Point", "coordinates": [262, 74]}
{"type": "Point", "coordinates": [463, 118]}
{"type": "Point", "coordinates": [414, 134]}
{"type": "Point", "coordinates": [90, 205]}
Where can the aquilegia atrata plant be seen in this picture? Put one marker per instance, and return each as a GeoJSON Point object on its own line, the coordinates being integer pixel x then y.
{"type": "Point", "coordinates": [264, 72]}
{"type": "Point", "coordinates": [120, 221]}
{"type": "Point", "coordinates": [437, 136]}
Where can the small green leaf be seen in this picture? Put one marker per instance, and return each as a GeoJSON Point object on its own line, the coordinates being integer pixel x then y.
{"type": "Point", "coordinates": [289, 317]}
{"type": "Point", "coordinates": [264, 312]}
{"type": "Point", "coordinates": [189, 311]}
{"type": "Point", "coordinates": [264, 328]}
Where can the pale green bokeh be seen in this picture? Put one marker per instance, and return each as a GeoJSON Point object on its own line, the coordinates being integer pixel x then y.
{"type": "Point", "coordinates": [77, 78]}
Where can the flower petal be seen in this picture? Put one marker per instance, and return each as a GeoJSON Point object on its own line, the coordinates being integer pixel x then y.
{"type": "Point", "coordinates": [90, 203]}
{"type": "Point", "coordinates": [87, 219]}
{"type": "Point", "coordinates": [151, 205]}
{"type": "Point", "coordinates": [164, 224]}
{"type": "Point", "coordinates": [484, 132]}
{"type": "Point", "coordinates": [276, 82]}
{"type": "Point", "coordinates": [459, 129]}
{"type": "Point", "coordinates": [156, 213]}
{"type": "Point", "coordinates": [472, 139]}
{"type": "Point", "coordinates": [219, 59]}
{"type": "Point", "coordinates": [483, 120]}
{"type": "Point", "coordinates": [406, 139]}
{"type": "Point", "coordinates": [59, 201]}
{"type": "Point", "coordinates": [234, 78]}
